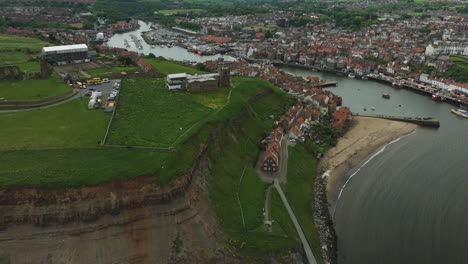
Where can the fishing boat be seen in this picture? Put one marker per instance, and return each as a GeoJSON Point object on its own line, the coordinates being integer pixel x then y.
{"type": "Point", "coordinates": [438, 97]}
{"type": "Point", "coordinates": [397, 85]}
{"type": "Point", "coordinates": [460, 112]}
{"type": "Point", "coordinates": [386, 95]}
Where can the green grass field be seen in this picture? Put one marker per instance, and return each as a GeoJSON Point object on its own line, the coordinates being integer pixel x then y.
{"type": "Point", "coordinates": [169, 67]}
{"type": "Point", "coordinates": [64, 126]}
{"type": "Point", "coordinates": [13, 42]}
{"type": "Point", "coordinates": [176, 11]}
{"type": "Point", "coordinates": [128, 68]}
{"type": "Point", "coordinates": [32, 90]}
{"type": "Point", "coordinates": [24, 61]}
{"type": "Point", "coordinates": [100, 72]}
{"type": "Point", "coordinates": [76, 166]}
{"type": "Point", "coordinates": [151, 115]}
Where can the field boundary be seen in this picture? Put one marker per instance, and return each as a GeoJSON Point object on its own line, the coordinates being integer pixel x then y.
{"type": "Point", "coordinates": [140, 147]}
{"type": "Point", "coordinates": [38, 102]}
{"type": "Point", "coordinates": [110, 121]}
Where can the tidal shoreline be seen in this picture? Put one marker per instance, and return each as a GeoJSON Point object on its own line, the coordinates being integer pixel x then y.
{"type": "Point", "coordinates": [365, 136]}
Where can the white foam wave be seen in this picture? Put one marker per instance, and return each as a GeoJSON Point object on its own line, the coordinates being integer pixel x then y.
{"type": "Point", "coordinates": [367, 161]}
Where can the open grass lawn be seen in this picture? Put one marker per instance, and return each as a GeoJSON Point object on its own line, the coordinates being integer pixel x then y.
{"type": "Point", "coordinates": [64, 126]}
{"type": "Point", "coordinates": [20, 59]}
{"type": "Point", "coordinates": [150, 115]}
{"type": "Point", "coordinates": [214, 99]}
{"type": "Point", "coordinates": [100, 72]}
{"type": "Point", "coordinates": [169, 67]}
{"type": "Point", "coordinates": [77, 166]}
{"type": "Point", "coordinates": [175, 11]}
{"type": "Point", "coordinates": [302, 168]}
{"type": "Point", "coordinates": [32, 90]}
{"type": "Point", "coordinates": [12, 42]}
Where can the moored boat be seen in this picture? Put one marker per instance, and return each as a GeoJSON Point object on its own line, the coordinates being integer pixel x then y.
{"type": "Point", "coordinates": [386, 95]}
{"type": "Point", "coordinates": [351, 75]}
{"type": "Point", "coordinates": [397, 85]}
{"type": "Point", "coordinates": [460, 112]}
{"type": "Point", "coordinates": [438, 98]}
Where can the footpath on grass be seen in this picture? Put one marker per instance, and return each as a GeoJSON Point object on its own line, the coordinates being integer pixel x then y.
{"type": "Point", "coordinates": [310, 256]}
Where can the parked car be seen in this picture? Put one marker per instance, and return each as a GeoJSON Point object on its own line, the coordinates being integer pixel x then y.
{"type": "Point", "coordinates": [88, 93]}
{"type": "Point", "coordinates": [92, 89]}
{"type": "Point", "coordinates": [105, 80]}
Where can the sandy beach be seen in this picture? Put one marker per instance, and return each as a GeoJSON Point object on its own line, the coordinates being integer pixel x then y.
{"type": "Point", "coordinates": [365, 136]}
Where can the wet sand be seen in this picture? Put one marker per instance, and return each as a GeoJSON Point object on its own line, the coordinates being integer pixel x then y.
{"type": "Point", "coordinates": [365, 136]}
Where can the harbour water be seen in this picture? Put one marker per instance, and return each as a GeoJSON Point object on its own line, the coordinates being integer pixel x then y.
{"type": "Point", "coordinates": [409, 203]}
{"type": "Point", "coordinates": [173, 53]}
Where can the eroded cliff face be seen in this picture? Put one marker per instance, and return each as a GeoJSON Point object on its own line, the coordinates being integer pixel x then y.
{"type": "Point", "coordinates": [128, 221]}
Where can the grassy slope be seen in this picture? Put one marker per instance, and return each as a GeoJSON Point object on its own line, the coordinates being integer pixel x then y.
{"type": "Point", "coordinates": [12, 42]}
{"type": "Point", "coordinates": [459, 70]}
{"type": "Point", "coordinates": [32, 90]}
{"type": "Point", "coordinates": [22, 60]}
{"type": "Point", "coordinates": [239, 149]}
{"type": "Point", "coordinates": [64, 126]}
{"type": "Point", "coordinates": [302, 167]}
{"type": "Point", "coordinates": [169, 67]}
{"type": "Point", "coordinates": [151, 115]}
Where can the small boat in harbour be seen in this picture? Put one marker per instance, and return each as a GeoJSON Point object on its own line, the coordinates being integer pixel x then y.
{"type": "Point", "coordinates": [460, 112]}
{"type": "Point", "coordinates": [438, 97]}
{"type": "Point", "coordinates": [373, 108]}
{"type": "Point", "coordinates": [397, 85]}
{"type": "Point", "coordinates": [386, 95]}
{"type": "Point", "coordinates": [351, 75]}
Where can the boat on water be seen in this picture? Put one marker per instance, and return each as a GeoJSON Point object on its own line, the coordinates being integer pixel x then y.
{"type": "Point", "coordinates": [351, 75]}
{"type": "Point", "coordinates": [460, 112]}
{"type": "Point", "coordinates": [397, 85]}
{"type": "Point", "coordinates": [365, 77]}
{"type": "Point", "coordinates": [438, 97]}
{"type": "Point", "coordinates": [365, 108]}
{"type": "Point", "coordinates": [386, 95]}
{"type": "Point", "coordinates": [373, 108]}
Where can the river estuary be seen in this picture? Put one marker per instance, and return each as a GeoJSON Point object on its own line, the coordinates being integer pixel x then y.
{"type": "Point", "coordinates": [173, 53]}
{"type": "Point", "coordinates": [409, 204]}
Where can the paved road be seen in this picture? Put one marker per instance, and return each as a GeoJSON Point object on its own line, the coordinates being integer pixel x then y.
{"type": "Point", "coordinates": [42, 107]}
{"type": "Point", "coordinates": [105, 88]}
{"type": "Point", "coordinates": [305, 243]}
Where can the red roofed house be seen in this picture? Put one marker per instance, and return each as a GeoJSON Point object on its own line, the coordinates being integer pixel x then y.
{"type": "Point", "coordinates": [340, 118]}
{"type": "Point", "coordinates": [272, 153]}
{"type": "Point", "coordinates": [144, 65]}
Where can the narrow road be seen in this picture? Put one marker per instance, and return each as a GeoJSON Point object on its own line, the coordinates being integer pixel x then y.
{"type": "Point", "coordinates": [305, 243]}
{"type": "Point", "coordinates": [41, 107]}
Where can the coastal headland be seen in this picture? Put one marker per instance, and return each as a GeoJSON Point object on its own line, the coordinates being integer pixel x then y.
{"type": "Point", "coordinates": [365, 136]}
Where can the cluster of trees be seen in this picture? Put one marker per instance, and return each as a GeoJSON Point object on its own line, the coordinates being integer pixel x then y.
{"type": "Point", "coordinates": [124, 10]}
{"type": "Point", "coordinates": [6, 22]}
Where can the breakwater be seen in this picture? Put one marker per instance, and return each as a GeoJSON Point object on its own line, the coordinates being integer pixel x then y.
{"type": "Point", "coordinates": [422, 121]}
